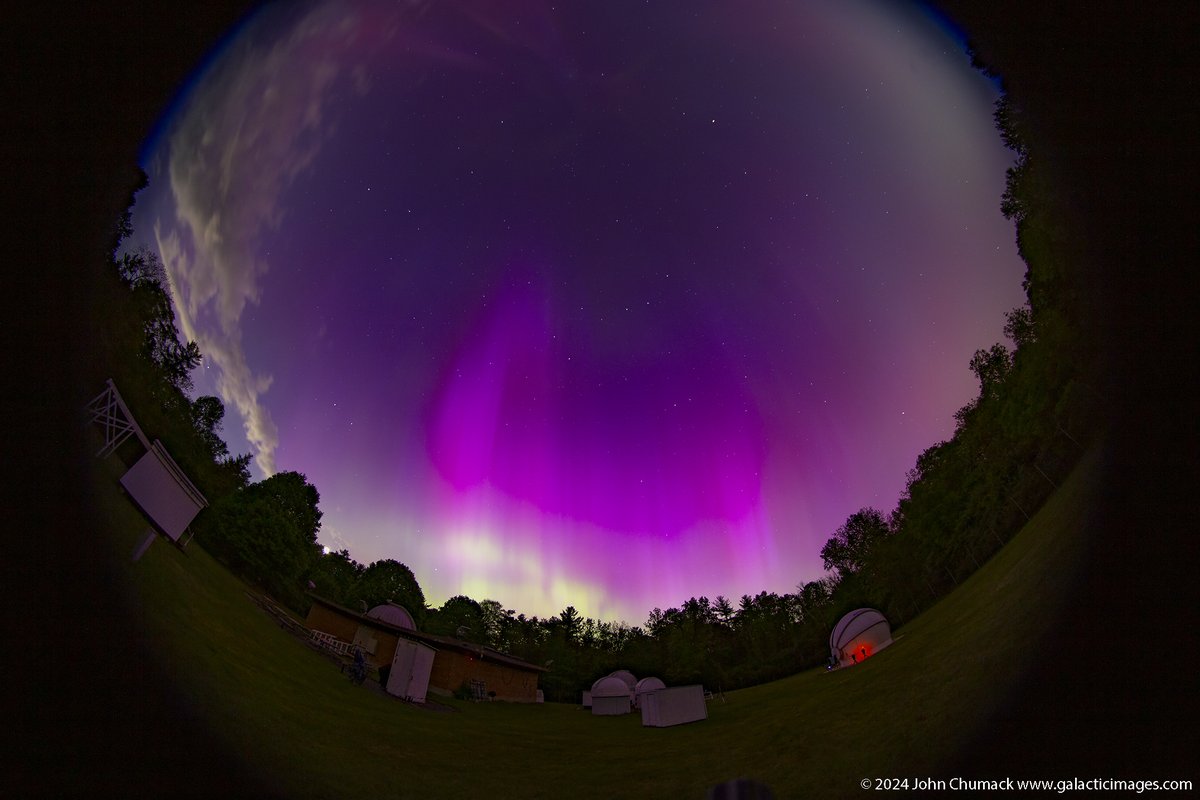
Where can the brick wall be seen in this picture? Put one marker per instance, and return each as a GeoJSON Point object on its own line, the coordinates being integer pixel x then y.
{"type": "Point", "coordinates": [325, 619]}
{"type": "Point", "coordinates": [451, 669]}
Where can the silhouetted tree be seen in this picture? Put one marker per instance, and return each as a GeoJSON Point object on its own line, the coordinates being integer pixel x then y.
{"type": "Point", "coordinates": [723, 609]}
{"type": "Point", "coordinates": [334, 574]}
{"type": "Point", "coordinates": [267, 532]}
{"type": "Point", "coordinates": [144, 275]}
{"type": "Point", "coordinates": [572, 623]}
{"type": "Point", "coordinates": [389, 580]}
{"type": "Point", "coordinates": [1019, 327]}
{"type": "Point", "coordinates": [991, 367]}
{"type": "Point", "coordinates": [460, 617]}
{"type": "Point", "coordinates": [207, 414]}
{"type": "Point", "coordinates": [852, 543]}
{"type": "Point", "coordinates": [497, 622]}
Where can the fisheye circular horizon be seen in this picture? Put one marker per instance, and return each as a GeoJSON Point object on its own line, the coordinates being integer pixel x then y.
{"type": "Point", "coordinates": [579, 305]}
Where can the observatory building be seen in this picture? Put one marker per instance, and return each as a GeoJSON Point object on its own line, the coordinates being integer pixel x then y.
{"type": "Point", "coordinates": [611, 695]}
{"type": "Point", "coordinates": [859, 635]}
{"type": "Point", "coordinates": [388, 638]}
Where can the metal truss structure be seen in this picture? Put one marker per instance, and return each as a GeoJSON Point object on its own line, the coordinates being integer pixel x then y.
{"type": "Point", "coordinates": [108, 410]}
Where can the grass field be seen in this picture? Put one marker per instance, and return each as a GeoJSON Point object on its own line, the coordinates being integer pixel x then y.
{"type": "Point", "coordinates": [296, 719]}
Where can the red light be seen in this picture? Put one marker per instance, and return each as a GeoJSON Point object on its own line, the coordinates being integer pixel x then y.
{"type": "Point", "coordinates": [859, 652]}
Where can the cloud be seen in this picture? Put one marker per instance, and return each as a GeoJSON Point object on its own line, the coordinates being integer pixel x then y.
{"type": "Point", "coordinates": [254, 122]}
{"type": "Point", "coordinates": [257, 120]}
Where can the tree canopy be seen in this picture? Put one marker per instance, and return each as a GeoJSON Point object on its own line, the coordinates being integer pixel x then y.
{"type": "Point", "coordinates": [388, 581]}
{"type": "Point", "coordinates": [853, 542]}
{"type": "Point", "coordinates": [267, 532]}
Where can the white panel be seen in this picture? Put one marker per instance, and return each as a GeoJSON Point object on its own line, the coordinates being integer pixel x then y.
{"type": "Point", "coordinates": [409, 677]}
{"type": "Point", "coordinates": [649, 706]}
{"type": "Point", "coordinates": [163, 492]}
{"type": "Point", "coordinates": [402, 664]}
{"type": "Point", "coordinates": [674, 706]}
{"type": "Point", "coordinates": [418, 685]}
{"type": "Point", "coordinates": [610, 706]}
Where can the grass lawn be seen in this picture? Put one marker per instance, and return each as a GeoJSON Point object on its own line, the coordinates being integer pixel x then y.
{"type": "Point", "coordinates": [902, 713]}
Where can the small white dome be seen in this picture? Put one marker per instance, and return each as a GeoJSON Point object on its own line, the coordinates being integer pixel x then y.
{"type": "Point", "coordinates": [393, 614]}
{"type": "Point", "coordinates": [626, 676]}
{"type": "Point", "coordinates": [648, 685]}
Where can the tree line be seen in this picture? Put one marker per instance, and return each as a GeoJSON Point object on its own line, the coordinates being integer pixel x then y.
{"type": "Point", "coordinates": [964, 498]}
{"type": "Point", "coordinates": [265, 531]}
{"type": "Point", "coordinates": [1037, 410]}
{"type": "Point", "coordinates": [720, 643]}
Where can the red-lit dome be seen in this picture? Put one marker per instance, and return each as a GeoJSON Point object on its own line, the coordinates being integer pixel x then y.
{"type": "Point", "coordinates": [859, 635]}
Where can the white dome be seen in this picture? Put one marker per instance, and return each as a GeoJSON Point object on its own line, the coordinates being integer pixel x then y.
{"type": "Point", "coordinates": [393, 614]}
{"type": "Point", "coordinates": [858, 635]}
{"type": "Point", "coordinates": [608, 686]}
{"type": "Point", "coordinates": [648, 685]}
{"type": "Point", "coordinates": [626, 676]}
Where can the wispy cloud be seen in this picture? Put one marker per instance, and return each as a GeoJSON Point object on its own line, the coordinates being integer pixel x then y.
{"type": "Point", "coordinates": [257, 120]}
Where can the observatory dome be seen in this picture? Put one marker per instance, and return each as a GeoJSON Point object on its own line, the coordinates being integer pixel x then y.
{"type": "Point", "coordinates": [648, 685]}
{"type": "Point", "coordinates": [645, 686]}
{"type": "Point", "coordinates": [393, 614]}
{"type": "Point", "coordinates": [625, 675]}
{"type": "Point", "coordinates": [608, 686]}
{"type": "Point", "coordinates": [859, 635]}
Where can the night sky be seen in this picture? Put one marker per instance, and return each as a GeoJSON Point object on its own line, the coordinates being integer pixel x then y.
{"type": "Point", "coordinates": [593, 304]}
